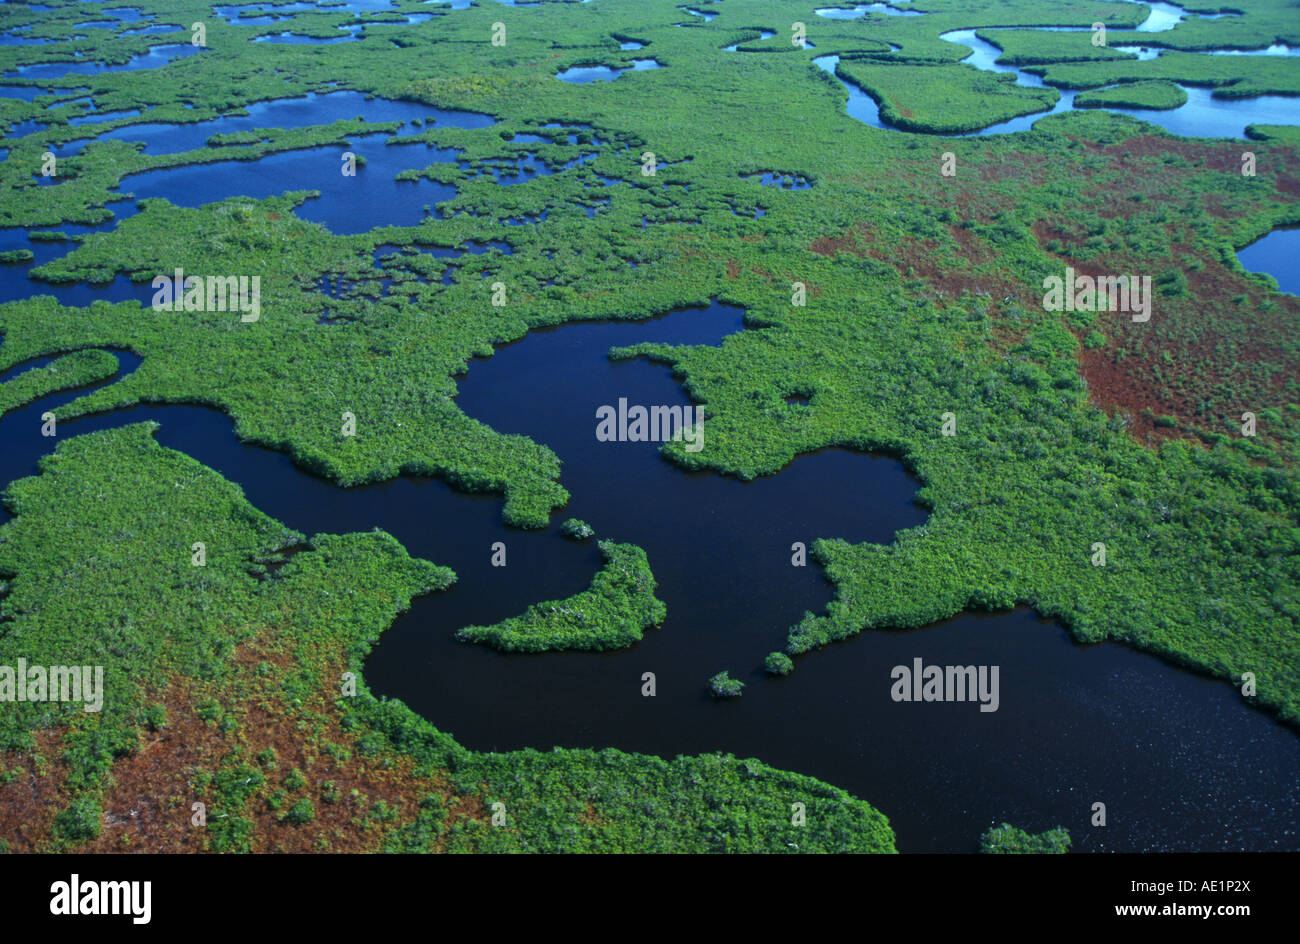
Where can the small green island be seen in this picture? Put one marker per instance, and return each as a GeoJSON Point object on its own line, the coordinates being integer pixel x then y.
{"type": "Point", "coordinates": [724, 686]}
{"type": "Point", "coordinates": [778, 663]}
{"type": "Point", "coordinates": [577, 529]}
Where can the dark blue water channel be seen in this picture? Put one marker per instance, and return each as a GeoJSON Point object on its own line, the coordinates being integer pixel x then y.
{"type": "Point", "coordinates": [1075, 726]}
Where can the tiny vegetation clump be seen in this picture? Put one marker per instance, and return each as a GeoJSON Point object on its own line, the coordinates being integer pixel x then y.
{"type": "Point", "coordinates": [1007, 839]}
{"type": "Point", "coordinates": [778, 663]}
{"type": "Point", "coordinates": [577, 529]}
{"type": "Point", "coordinates": [723, 685]}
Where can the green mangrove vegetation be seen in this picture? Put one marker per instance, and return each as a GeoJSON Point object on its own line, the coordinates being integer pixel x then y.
{"type": "Point", "coordinates": [778, 663]}
{"type": "Point", "coordinates": [1034, 47]}
{"type": "Point", "coordinates": [943, 99]}
{"type": "Point", "coordinates": [1265, 75]}
{"type": "Point", "coordinates": [612, 613]}
{"type": "Point", "coordinates": [78, 369]}
{"type": "Point", "coordinates": [261, 671]}
{"type": "Point", "coordinates": [577, 529]}
{"type": "Point", "coordinates": [1152, 94]}
{"type": "Point", "coordinates": [1086, 465]}
{"type": "Point", "coordinates": [723, 685]}
{"type": "Point", "coordinates": [1011, 840]}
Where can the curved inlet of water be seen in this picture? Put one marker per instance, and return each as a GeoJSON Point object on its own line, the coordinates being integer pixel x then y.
{"type": "Point", "coordinates": [862, 9]}
{"type": "Point", "coordinates": [762, 35]}
{"type": "Point", "coordinates": [582, 75]}
{"type": "Point", "coordinates": [1276, 254]}
{"type": "Point", "coordinates": [860, 105]}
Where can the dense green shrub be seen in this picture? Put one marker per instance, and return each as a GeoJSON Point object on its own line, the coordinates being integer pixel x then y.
{"type": "Point", "coordinates": [724, 686]}
{"type": "Point", "coordinates": [1008, 839]}
{"type": "Point", "coordinates": [300, 813]}
{"type": "Point", "coordinates": [82, 819]}
{"type": "Point", "coordinates": [778, 663]}
{"type": "Point", "coordinates": [577, 529]}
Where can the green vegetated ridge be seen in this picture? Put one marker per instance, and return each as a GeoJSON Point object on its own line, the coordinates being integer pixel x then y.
{"type": "Point", "coordinates": [1266, 75]}
{"type": "Point", "coordinates": [1281, 134]}
{"type": "Point", "coordinates": [924, 296]}
{"type": "Point", "coordinates": [128, 597]}
{"type": "Point", "coordinates": [917, 37]}
{"type": "Point", "coordinates": [1034, 47]}
{"type": "Point", "coordinates": [944, 99]}
{"type": "Point", "coordinates": [612, 613]}
{"type": "Point", "coordinates": [1154, 94]}
{"type": "Point", "coordinates": [78, 369]}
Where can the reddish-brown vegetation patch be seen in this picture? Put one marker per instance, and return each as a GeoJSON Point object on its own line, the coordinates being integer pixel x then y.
{"type": "Point", "coordinates": [1020, 166]}
{"type": "Point", "coordinates": [950, 274]}
{"type": "Point", "coordinates": [834, 245]}
{"type": "Point", "coordinates": [967, 271]}
{"type": "Point", "coordinates": [33, 793]}
{"type": "Point", "coordinates": [148, 804]}
{"type": "Point", "coordinates": [1217, 205]}
{"type": "Point", "coordinates": [1220, 157]}
{"type": "Point", "coordinates": [1206, 354]}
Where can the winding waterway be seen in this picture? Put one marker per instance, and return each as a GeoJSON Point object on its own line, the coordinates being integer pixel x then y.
{"type": "Point", "coordinates": [1203, 115]}
{"type": "Point", "coordinates": [1075, 726]}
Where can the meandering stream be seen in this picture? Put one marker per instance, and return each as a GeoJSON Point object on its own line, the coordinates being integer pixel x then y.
{"type": "Point", "coordinates": [1075, 725]}
{"type": "Point", "coordinates": [1203, 115]}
